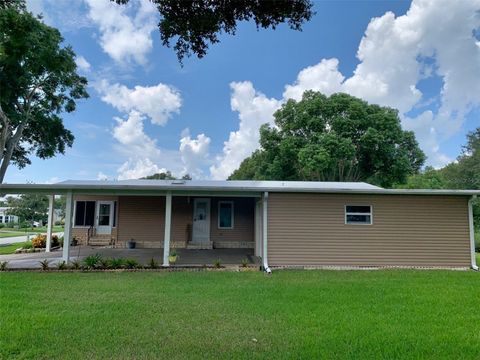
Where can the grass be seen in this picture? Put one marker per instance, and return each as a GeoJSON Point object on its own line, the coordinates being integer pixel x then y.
{"type": "Point", "coordinates": [23, 231]}
{"type": "Point", "coordinates": [9, 249]}
{"type": "Point", "coordinates": [392, 314]}
{"type": "Point", "coordinates": [10, 233]}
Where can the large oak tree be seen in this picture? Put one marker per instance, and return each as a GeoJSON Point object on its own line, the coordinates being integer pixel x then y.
{"type": "Point", "coordinates": [336, 138]}
{"type": "Point", "coordinates": [195, 24]}
{"type": "Point", "coordinates": [38, 81]}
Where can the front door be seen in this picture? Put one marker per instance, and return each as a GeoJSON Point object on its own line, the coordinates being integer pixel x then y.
{"type": "Point", "coordinates": [201, 221]}
{"type": "Point", "coordinates": [104, 217]}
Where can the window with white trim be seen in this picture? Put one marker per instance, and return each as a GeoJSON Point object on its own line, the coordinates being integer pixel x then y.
{"type": "Point", "coordinates": [84, 213]}
{"type": "Point", "coordinates": [225, 214]}
{"type": "Point", "coordinates": [358, 214]}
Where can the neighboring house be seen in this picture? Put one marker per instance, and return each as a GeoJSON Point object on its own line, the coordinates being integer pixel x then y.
{"type": "Point", "coordinates": [6, 218]}
{"type": "Point", "coordinates": [286, 223]}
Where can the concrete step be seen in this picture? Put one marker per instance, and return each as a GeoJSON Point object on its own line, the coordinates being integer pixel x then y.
{"type": "Point", "coordinates": [200, 246]}
{"type": "Point", "coordinates": [100, 240]}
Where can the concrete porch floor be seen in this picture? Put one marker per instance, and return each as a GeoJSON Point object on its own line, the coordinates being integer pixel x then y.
{"type": "Point", "coordinates": [186, 257]}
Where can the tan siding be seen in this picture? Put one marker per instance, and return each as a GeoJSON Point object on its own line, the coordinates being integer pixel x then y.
{"type": "Point", "coordinates": [182, 218]}
{"type": "Point", "coordinates": [242, 234]}
{"type": "Point", "coordinates": [310, 229]}
{"type": "Point", "coordinates": [141, 218]}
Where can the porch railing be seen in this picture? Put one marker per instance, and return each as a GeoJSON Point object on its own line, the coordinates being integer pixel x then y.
{"type": "Point", "coordinates": [90, 233]}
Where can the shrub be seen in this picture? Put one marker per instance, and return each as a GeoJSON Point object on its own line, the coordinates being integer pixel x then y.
{"type": "Point", "coordinates": [39, 241]}
{"type": "Point", "coordinates": [76, 264]}
{"type": "Point", "coordinates": [152, 264]}
{"type": "Point", "coordinates": [62, 265]}
{"type": "Point", "coordinates": [3, 265]}
{"type": "Point", "coordinates": [58, 222]}
{"type": "Point", "coordinates": [2, 225]}
{"type": "Point", "coordinates": [217, 264]}
{"type": "Point", "coordinates": [45, 264]}
{"type": "Point", "coordinates": [245, 262]}
{"type": "Point", "coordinates": [103, 264]}
{"type": "Point", "coordinates": [92, 261]}
{"type": "Point", "coordinates": [55, 242]}
{"type": "Point", "coordinates": [116, 263]}
{"type": "Point", "coordinates": [27, 245]}
{"type": "Point", "coordinates": [131, 264]}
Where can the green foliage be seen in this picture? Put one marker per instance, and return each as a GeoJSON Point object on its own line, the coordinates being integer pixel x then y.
{"type": "Point", "coordinates": [195, 25]}
{"type": "Point", "coordinates": [76, 264]}
{"type": "Point", "coordinates": [62, 265]}
{"type": "Point", "coordinates": [103, 264]}
{"type": "Point", "coordinates": [336, 138]}
{"type": "Point", "coordinates": [3, 265]}
{"type": "Point", "coordinates": [245, 262]}
{"type": "Point", "coordinates": [39, 81]}
{"type": "Point", "coordinates": [116, 263]}
{"type": "Point", "coordinates": [27, 245]}
{"type": "Point", "coordinates": [217, 263]}
{"type": "Point", "coordinates": [44, 264]}
{"type": "Point", "coordinates": [131, 264]}
{"type": "Point", "coordinates": [152, 264]}
{"type": "Point", "coordinates": [92, 261]}
{"type": "Point", "coordinates": [28, 207]}
{"type": "Point", "coordinates": [165, 176]}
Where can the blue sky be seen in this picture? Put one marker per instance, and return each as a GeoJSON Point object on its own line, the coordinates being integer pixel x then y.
{"type": "Point", "coordinates": [146, 113]}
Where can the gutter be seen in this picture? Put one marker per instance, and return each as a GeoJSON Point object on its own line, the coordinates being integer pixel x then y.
{"type": "Point", "coordinates": [265, 232]}
{"type": "Point", "coordinates": [472, 233]}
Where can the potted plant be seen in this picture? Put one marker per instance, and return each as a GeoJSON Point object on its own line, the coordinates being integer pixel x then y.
{"type": "Point", "coordinates": [172, 258]}
{"type": "Point", "coordinates": [131, 244]}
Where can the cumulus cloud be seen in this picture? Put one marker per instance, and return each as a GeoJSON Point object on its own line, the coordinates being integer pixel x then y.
{"type": "Point", "coordinates": [394, 55]}
{"type": "Point", "coordinates": [136, 168]}
{"type": "Point", "coordinates": [82, 63]}
{"type": "Point", "coordinates": [158, 102]}
{"type": "Point", "coordinates": [254, 109]}
{"type": "Point", "coordinates": [194, 153]}
{"type": "Point", "coordinates": [124, 36]}
{"type": "Point", "coordinates": [102, 176]}
{"type": "Point", "coordinates": [132, 137]}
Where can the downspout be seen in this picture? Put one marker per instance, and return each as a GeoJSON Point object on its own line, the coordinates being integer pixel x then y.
{"type": "Point", "coordinates": [265, 232]}
{"type": "Point", "coordinates": [472, 233]}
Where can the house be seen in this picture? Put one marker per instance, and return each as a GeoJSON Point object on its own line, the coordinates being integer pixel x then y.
{"type": "Point", "coordinates": [285, 223]}
{"type": "Point", "coordinates": [5, 217]}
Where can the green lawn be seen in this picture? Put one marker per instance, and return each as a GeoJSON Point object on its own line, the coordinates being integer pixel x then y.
{"type": "Point", "coordinates": [9, 233]}
{"type": "Point", "coordinates": [9, 249]}
{"type": "Point", "coordinates": [389, 314]}
{"type": "Point", "coordinates": [42, 229]}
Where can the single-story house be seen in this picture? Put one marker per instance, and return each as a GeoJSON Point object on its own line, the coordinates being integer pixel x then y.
{"type": "Point", "coordinates": [286, 223]}
{"type": "Point", "coordinates": [5, 217]}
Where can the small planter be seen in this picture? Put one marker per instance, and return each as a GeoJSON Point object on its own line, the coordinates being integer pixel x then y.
{"type": "Point", "coordinates": [74, 242]}
{"type": "Point", "coordinates": [172, 259]}
{"type": "Point", "coordinates": [131, 244]}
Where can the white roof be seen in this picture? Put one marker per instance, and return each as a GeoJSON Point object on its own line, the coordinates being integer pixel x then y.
{"type": "Point", "coordinates": [242, 186]}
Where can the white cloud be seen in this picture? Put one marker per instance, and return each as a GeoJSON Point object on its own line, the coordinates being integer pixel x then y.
{"type": "Point", "coordinates": [82, 63]}
{"type": "Point", "coordinates": [194, 153]}
{"type": "Point", "coordinates": [136, 168]}
{"type": "Point", "coordinates": [395, 54]}
{"type": "Point", "coordinates": [102, 176]}
{"type": "Point", "coordinates": [126, 38]}
{"type": "Point", "coordinates": [254, 109]}
{"type": "Point", "coordinates": [158, 102]}
{"type": "Point", "coordinates": [131, 135]}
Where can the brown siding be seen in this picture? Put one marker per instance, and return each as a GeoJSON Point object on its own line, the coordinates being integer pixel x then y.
{"type": "Point", "coordinates": [141, 218]}
{"type": "Point", "coordinates": [310, 229]}
{"type": "Point", "coordinates": [242, 234]}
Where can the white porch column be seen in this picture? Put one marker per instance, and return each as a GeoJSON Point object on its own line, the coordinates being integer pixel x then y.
{"type": "Point", "coordinates": [265, 232]}
{"type": "Point", "coordinates": [168, 225]}
{"type": "Point", "coordinates": [472, 233]}
{"type": "Point", "coordinates": [50, 222]}
{"type": "Point", "coordinates": [67, 235]}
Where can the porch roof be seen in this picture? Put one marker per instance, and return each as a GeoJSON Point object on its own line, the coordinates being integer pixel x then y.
{"type": "Point", "coordinates": [245, 188]}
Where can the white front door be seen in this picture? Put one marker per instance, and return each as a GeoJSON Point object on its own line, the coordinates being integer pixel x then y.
{"type": "Point", "coordinates": [104, 217]}
{"type": "Point", "coordinates": [201, 221]}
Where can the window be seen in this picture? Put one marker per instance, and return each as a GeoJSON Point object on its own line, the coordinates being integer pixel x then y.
{"type": "Point", "coordinates": [361, 215]}
{"type": "Point", "coordinates": [84, 213]}
{"type": "Point", "coordinates": [1, 219]}
{"type": "Point", "coordinates": [225, 214]}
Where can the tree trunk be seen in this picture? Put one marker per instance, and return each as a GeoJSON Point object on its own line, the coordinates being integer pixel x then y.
{"type": "Point", "coordinates": [10, 145]}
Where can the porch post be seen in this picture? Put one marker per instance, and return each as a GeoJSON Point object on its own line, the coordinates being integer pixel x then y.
{"type": "Point", "coordinates": [50, 223]}
{"type": "Point", "coordinates": [265, 232]}
{"type": "Point", "coordinates": [168, 224]}
{"type": "Point", "coordinates": [67, 235]}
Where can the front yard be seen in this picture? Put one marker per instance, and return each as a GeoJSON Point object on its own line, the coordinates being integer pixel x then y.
{"type": "Point", "coordinates": [192, 315]}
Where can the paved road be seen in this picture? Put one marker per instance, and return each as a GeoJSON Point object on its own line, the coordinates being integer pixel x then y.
{"type": "Point", "coordinates": [21, 239]}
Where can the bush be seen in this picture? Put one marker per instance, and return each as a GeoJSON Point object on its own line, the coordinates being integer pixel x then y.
{"type": "Point", "coordinates": [62, 265]}
{"type": "Point", "coordinates": [3, 265]}
{"type": "Point", "coordinates": [2, 225]}
{"type": "Point", "coordinates": [116, 263]}
{"type": "Point", "coordinates": [217, 264]}
{"type": "Point", "coordinates": [55, 241]}
{"type": "Point", "coordinates": [92, 261]}
{"type": "Point", "coordinates": [27, 245]}
{"type": "Point", "coordinates": [39, 241]}
{"type": "Point", "coordinates": [45, 264]}
{"type": "Point", "coordinates": [59, 223]}
{"type": "Point", "coordinates": [76, 264]}
{"type": "Point", "coordinates": [131, 264]}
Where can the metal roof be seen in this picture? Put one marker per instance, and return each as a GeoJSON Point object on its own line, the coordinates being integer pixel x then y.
{"type": "Point", "coordinates": [182, 186]}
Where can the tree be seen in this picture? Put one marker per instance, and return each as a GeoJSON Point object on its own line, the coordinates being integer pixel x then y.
{"type": "Point", "coordinates": [336, 138]}
{"type": "Point", "coordinates": [38, 81]}
{"type": "Point", "coordinates": [196, 24]}
{"type": "Point", "coordinates": [29, 207]}
{"type": "Point", "coordinates": [165, 176]}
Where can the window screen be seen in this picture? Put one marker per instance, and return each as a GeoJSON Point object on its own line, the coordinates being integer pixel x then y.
{"type": "Point", "coordinates": [225, 215]}
{"type": "Point", "coordinates": [355, 214]}
{"type": "Point", "coordinates": [84, 213]}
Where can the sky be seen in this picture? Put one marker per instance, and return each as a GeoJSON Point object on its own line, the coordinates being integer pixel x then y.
{"type": "Point", "coordinates": [147, 114]}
